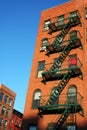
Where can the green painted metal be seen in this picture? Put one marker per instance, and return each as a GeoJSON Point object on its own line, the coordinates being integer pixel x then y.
{"type": "Point", "coordinates": [74, 21]}
{"type": "Point", "coordinates": [69, 108]}
{"type": "Point", "coordinates": [51, 105]}
{"type": "Point", "coordinates": [57, 64]}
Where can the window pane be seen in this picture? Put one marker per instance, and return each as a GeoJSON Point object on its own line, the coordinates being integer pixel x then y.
{"type": "Point", "coordinates": [5, 124]}
{"type": "Point", "coordinates": [71, 127]}
{"type": "Point", "coordinates": [73, 34]}
{"type": "Point", "coordinates": [44, 42]}
{"type": "Point", "coordinates": [73, 14]}
{"type": "Point", "coordinates": [46, 24]}
{"type": "Point", "coordinates": [3, 110]}
{"type": "Point", "coordinates": [7, 112]}
{"type": "Point", "coordinates": [1, 96]}
{"type": "Point", "coordinates": [61, 20]}
{"type": "Point", "coordinates": [72, 60]}
{"type": "Point", "coordinates": [41, 65]}
{"type": "Point", "coordinates": [33, 128]}
{"type": "Point", "coordinates": [72, 94]}
{"type": "Point", "coordinates": [10, 102]}
{"type": "Point", "coordinates": [36, 99]}
{"type": "Point", "coordinates": [1, 122]}
{"type": "Point", "coordinates": [5, 98]}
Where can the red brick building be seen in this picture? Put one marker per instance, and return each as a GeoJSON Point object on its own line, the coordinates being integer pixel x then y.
{"type": "Point", "coordinates": [7, 99]}
{"type": "Point", "coordinates": [57, 92]}
{"type": "Point", "coordinates": [16, 120]}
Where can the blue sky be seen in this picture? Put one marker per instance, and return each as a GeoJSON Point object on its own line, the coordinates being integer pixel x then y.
{"type": "Point", "coordinates": [19, 20]}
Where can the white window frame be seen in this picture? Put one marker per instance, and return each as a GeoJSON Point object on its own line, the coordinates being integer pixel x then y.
{"type": "Point", "coordinates": [46, 25]}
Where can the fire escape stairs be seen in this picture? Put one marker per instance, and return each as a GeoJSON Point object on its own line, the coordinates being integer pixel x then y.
{"type": "Point", "coordinates": [59, 38]}
{"type": "Point", "coordinates": [71, 108]}
{"type": "Point", "coordinates": [52, 102]}
{"type": "Point", "coordinates": [51, 73]}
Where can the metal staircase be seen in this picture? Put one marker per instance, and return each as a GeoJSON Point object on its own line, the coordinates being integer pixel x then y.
{"type": "Point", "coordinates": [71, 72]}
{"type": "Point", "coordinates": [54, 96]}
{"type": "Point", "coordinates": [47, 75]}
{"type": "Point", "coordinates": [59, 38]}
{"type": "Point", "coordinates": [69, 109]}
{"type": "Point", "coordinates": [52, 105]}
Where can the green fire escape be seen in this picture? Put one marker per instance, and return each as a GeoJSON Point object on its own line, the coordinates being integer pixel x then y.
{"type": "Point", "coordinates": [64, 75]}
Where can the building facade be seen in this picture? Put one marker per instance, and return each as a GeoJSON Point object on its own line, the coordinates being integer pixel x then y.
{"type": "Point", "coordinates": [7, 98]}
{"type": "Point", "coordinates": [57, 92]}
{"type": "Point", "coordinates": [16, 120]}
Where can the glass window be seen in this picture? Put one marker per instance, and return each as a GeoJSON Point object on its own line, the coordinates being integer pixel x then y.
{"type": "Point", "coordinates": [40, 68]}
{"type": "Point", "coordinates": [44, 44]}
{"type": "Point", "coordinates": [61, 20]}
{"type": "Point", "coordinates": [1, 122]}
{"type": "Point", "coordinates": [1, 96]}
{"type": "Point", "coordinates": [3, 110]}
{"type": "Point", "coordinates": [5, 98]}
{"type": "Point", "coordinates": [33, 128]}
{"type": "Point", "coordinates": [36, 99]}
{"type": "Point", "coordinates": [73, 34]}
{"type": "Point", "coordinates": [46, 25]}
{"type": "Point", "coordinates": [72, 94]}
{"type": "Point", "coordinates": [5, 124]}
{"type": "Point", "coordinates": [73, 14]}
{"type": "Point", "coordinates": [10, 101]}
{"type": "Point", "coordinates": [71, 127]}
{"type": "Point", "coordinates": [7, 112]}
{"type": "Point", "coordinates": [72, 60]}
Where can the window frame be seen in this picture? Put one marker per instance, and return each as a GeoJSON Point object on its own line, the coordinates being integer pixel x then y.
{"type": "Point", "coordinates": [73, 63]}
{"type": "Point", "coordinates": [44, 43]}
{"type": "Point", "coordinates": [73, 14]}
{"type": "Point", "coordinates": [72, 94]}
{"type": "Point", "coordinates": [1, 96]}
{"type": "Point", "coordinates": [40, 70]}
{"type": "Point", "coordinates": [36, 99]}
{"type": "Point", "coordinates": [46, 24]}
{"type": "Point", "coordinates": [60, 20]}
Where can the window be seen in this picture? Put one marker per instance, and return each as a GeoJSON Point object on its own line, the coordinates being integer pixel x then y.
{"type": "Point", "coordinates": [44, 44]}
{"type": "Point", "coordinates": [73, 60]}
{"type": "Point", "coordinates": [7, 112]}
{"type": "Point", "coordinates": [71, 127]}
{"type": "Point", "coordinates": [5, 98]}
{"type": "Point", "coordinates": [1, 96]}
{"type": "Point", "coordinates": [5, 124]}
{"type": "Point", "coordinates": [10, 101]}
{"type": "Point", "coordinates": [61, 20]}
{"type": "Point", "coordinates": [36, 99]}
{"type": "Point", "coordinates": [46, 25]}
{"type": "Point", "coordinates": [72, 94]}
{"type": "Point", "coordinates": [73, 34]}
{"type": "Point", "coordinates": [73, 14]}
{"type": "Point", "coordinates": [3, 110]}
{"type": "Point", "coordinates": [1, 122]}
{"type": "Point", "coordinates": [33, 128]}
{"type": "Point", "coordinates": [40, 68]}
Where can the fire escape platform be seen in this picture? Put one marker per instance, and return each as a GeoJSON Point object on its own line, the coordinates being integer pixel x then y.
{"type": "Point", "coordinates": [59, 74]}
{"type": "Point", "coordinates": [59, 108]}
{"type": "Point", "coordinates": [76, 42]}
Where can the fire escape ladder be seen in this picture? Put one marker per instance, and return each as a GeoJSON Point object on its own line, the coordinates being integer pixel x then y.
{"type": "Point", "coordinates": [62, 119]}
{"type": "Point", "coordinates": [58, 62]}
{"type": "Point", "coordinates": [59, 38]}
{"type": "Point", "coordinates": [55, 94]}
{"type": "Point", "coordinates": [62, 57]}
{"type": "Point", "coordinates": [69, 109]}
